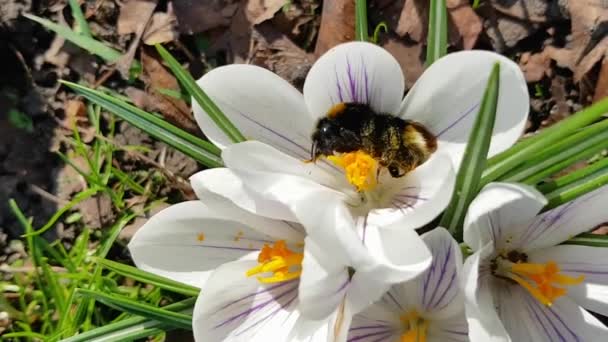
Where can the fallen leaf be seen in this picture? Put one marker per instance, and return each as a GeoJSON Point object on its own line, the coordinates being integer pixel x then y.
{"type": "Point", "coordinates": [195, 16]}
{"type": "Point", "coordinates": [133, 18]}
{"type": "Point", "coordinates": [276, 52]}
{"type": "Point", "coordinates": [465, 21]}
{"type": "Point", "coordinates": [258, 11]}
{"type": "Point", "coordinates": [75, 110]}
{"type": "Point", "coordinates": [161, 28]}
{"type": "Point", "coordinates": [535, 66]}
{"type": "Point", "coordinates": [97, 211]}
{"type": "Point", "coordinates": [157, 79]}
{"type": "Point", "coordinates": [412, 21]}
{"type": "Point", "coordinates": [409, 57]}
{"type": "Point", "coordinates": [337, 24]}
{"type": "Point", "coordinates": [601, 88]}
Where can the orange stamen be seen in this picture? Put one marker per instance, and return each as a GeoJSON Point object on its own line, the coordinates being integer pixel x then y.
{"type": "Point", "coordinates": [283, 263]}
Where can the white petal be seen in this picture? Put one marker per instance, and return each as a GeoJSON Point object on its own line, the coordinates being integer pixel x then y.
{"type": "Point", "coordinates": [570, 219]}
{"type": "Point", "coordinates": [397, 255]}
{"type": "Point", "coordinates": [453, 329]}
{"type": "Point", "coordinates": [225, 183]}
{"type": "Point", "coordinates": [258, 157]}
{"type": "Point", "coordinates": [187, 241]}
{"type": "Point", "coordinates": [234, 307]}
{"type": "Point", "coordinates": [354, 72]}
{"type": "Point", "coordinates": [565, 321]}
{"type": "Point", "coordinates": [418, 197]}
{"type": "Point", "coordinates": [446, 99]}
{"type": "Point", "coordinates": [512, 307]}
{"type": "Point", "coordinates": [591, 262]}
{"type": "Point", "coordinates": [306, 330]}
{"type": "Point", "coordinates": [323, 282]}
{"type": "Point", "coordinates": [484, 323]}
{"type": "Point", "coordinates": [260, 104]}
{"type": "Point", "coordinates": [364, 289]}
{"type": "Point", "coordinates": [439, 292]}
{"type": "Point", "coordinates": [498, 214]}
{"type": "Point", "coordinates": [378, 322]}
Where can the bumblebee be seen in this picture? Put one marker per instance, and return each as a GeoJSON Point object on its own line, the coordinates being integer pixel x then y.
{"type": "Point", "coordinates": [397, 144]}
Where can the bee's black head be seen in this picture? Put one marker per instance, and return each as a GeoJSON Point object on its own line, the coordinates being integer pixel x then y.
{"type": "Point", "coordinates": [326, 138]}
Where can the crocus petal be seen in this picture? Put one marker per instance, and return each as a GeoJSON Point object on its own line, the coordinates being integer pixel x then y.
{"type": "Point", "coordinates": [446, 99]}
{"type": "Point", "coordinates": [323, 282]}
{"type": "Point", "coordinates": [564, 320]}
{"type": "Point", "coordinates": [484, 323]}
{"type": "Point", "coordinates": [260, 104]}
{"type": "Point", "coordinates": [354, 72]}
{"type": "Point", "coordinates": [448, 330]}
{"type": "Point", "coordinates": [499, 213]}
{"type": "Point", "coordinates": [259, 157]}
{"type": "Point", "coordinates": [234, 307]}
{"type": "Point", "coordinates": [418, 197]}
{"type": "Point", "coordinates": [515, 314]}
{"type": "Point", "coordinates": [439, 292]}
{"type": "Point", "coordinates": [187, 241]}
{"type": "Point", "coordinates": [225, 183]}
{"type": "Point", "coordinates": [378, 322]}
{"type": "Point", "coordinates": [568, 220]}
{"type": "Point", "coordinates": [575, 261]}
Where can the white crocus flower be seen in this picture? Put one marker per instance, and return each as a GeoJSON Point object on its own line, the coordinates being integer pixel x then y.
{"type": "Point", "coordinates": [254, 272]}
{"type": "Point", "coordinates": [521, 284]}
{"type": "Point", "coordinates": [429, 308]}
{"type": "Point", "coordinates": [270, 174]}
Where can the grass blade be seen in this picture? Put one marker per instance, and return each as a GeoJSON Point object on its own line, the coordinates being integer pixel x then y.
{"type": "Point", "coordinates": [149, 278]}
{"type": "Point", "coordinates": [475, 155]}
{"type": "Point", "coordinates": [579, 146]}
{"type": "Point", "coordinates": [201, 97]}
{"type": "Point", "coordinates": [82, 27]}
{"type": "Point", "coordinates": [588, 239]}
{"type": "Point", "coordinates": [504, 162]}
{"type": "Point", "coordinates": [198, 149]}
{"type": "Point", "coordinates": [130, 325]}
{"type": "Point", "coordinates": [576, 189]}
{"type": "Point", "coordinates": [86, 42]}
{"type": "Point", "coordinates": [361, 32]}
{"type": "Point", "coordinates": [572, 177]}
{"type": "Point", "coordinates": [437, 38]}
{"type": "Point", "coordinates": [178, 320]}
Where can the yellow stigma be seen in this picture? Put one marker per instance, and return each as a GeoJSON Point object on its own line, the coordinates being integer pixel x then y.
{"type": "Point", "coordinates": [283, 263]}
{"type": "Point", "coordinates": [540, 280]}
{"type": "Point", "coordinates": [359, 167]}
{"type": "Point", "coordinates": [416, 327]}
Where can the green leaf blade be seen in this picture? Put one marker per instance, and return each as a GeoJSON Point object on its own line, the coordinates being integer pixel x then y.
{"type": "Point", "coordinates": [474, 159]}
{"type": "Point", "coordinates": [437, 38]}
{"type": "Point", "coordinates": [201, 97]}
{"type": "Point", "coordinates": [361, 33]}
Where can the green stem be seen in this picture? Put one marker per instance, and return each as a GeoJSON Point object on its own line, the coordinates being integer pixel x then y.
{"type": "Point", "coordinates": [361, 32]}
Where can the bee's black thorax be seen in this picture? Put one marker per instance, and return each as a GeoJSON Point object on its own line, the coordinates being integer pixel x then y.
{"type": "Point", "coordinates": [398, 144]}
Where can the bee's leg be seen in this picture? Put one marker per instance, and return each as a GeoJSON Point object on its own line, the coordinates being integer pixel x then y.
{"type": "Point", "coordinates": [313, 154]}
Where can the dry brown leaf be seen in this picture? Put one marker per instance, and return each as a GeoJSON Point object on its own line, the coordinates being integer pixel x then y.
{"type": "Point", "coordinates": [258, 11]}
{"type": "Point", "coordinates": [412, 21]}
{"type": "Point", "coordinates": [158, 78]}
{"type": "Point", "coordinates": [276, 52]}
{"type": "Point", "coordinates": [601, 88]}
{"type": "Point", "coordinates": [535, 66]}
{"type": "Point", "coordinates": [133, 18]}
{"type": "Point", "coordinates": [465, 21]}
{"type": "Point", "coordinates": [75, 110]}
{"type": "Point", "coordinates": [161, 29]}
{"type": "Point", "coordinates": [337, 24]}
{"type": "Point", "coordinates": [409, 57]}
{"type": "Point", "coordinates": [195, 16]}
{"type": "Point", "coordinates": [134, 15]}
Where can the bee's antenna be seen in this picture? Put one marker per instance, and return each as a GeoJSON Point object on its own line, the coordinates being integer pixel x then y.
{"type": "Point", "coordinates": [313, 151]}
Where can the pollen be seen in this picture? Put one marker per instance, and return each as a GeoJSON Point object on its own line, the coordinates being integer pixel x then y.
{"type": "Point", "coordinates": [279, 261]}
{"type": "Point", "coordinates": [200, 237]}
{"type": "Point", "coordinates": [415, 327]}
{"type": "Point", "coordinates": [543, 281]}
{"type": "Point", "coordinates": [360, 169]}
